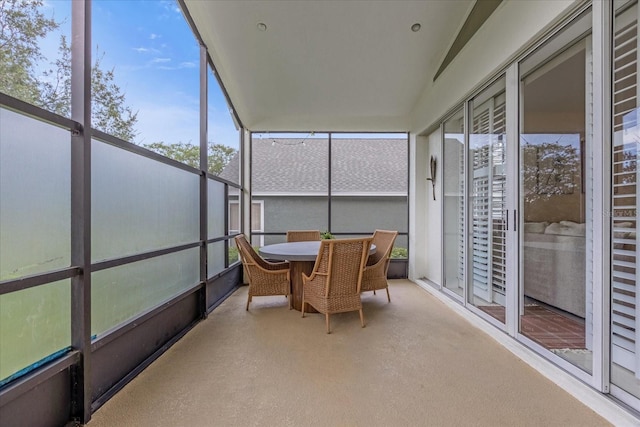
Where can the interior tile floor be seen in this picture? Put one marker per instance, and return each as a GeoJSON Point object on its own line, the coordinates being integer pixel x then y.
{"type": "Point", "coordinates": [549, 328]}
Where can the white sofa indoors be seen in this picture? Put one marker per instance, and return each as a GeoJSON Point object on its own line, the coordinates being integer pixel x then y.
{"type": "Point", "coordinates": [554, 264]}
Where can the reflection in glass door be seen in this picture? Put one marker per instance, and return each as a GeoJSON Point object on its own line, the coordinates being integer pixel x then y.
{"type": "Point", "coordinates": [453, 169]}
{"type": "Point", "coordinates": [555, 184]}
{"type": "Point", "coordinates": [487, 199]}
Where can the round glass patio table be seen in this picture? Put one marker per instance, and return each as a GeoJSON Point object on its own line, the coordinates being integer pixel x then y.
{"type": "Point", "coordinates": [302, 257]}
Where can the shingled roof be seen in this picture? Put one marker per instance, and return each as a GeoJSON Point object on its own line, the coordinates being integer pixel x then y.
{"type": "Point", "coordinates": [359, 166]}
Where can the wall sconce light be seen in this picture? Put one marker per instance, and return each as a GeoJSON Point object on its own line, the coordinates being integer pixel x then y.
{"type": "Point", "coordinates": [433, 165]}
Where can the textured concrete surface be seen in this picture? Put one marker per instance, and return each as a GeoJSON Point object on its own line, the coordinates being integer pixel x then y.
{"type": "Point", "coordinates": [416, 363]}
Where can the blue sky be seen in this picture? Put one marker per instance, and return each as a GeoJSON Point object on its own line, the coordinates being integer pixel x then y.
{"type": "Point", "coordinates": [155, 57]}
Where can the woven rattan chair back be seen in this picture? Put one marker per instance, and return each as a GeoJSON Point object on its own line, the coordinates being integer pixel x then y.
{"type": "Point", "coordinates": [383, 239]}
{"type": "Point", "coordinates": [334, 284]}
{"type": "Point", "coordinates": [249, 255]}
{"type": "Point", "coordinates": [265, 278]}
{"type": "Point", "coordinates": [342, 260]}
{"type": "Point", "coordinates": [375, 273]}
{"type": "Point", "coordinates": [303, 235]}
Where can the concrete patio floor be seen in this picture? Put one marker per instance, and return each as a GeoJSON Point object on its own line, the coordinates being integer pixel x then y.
{"type": "Point", "coordinates": [416, 363]}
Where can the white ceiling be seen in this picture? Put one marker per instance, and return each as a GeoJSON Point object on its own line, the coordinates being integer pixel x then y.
{"type": "Point", "coordinates": [327, 65]}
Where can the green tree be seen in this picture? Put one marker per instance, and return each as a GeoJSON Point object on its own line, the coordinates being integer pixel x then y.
{"type": "Point", "coordinates": [550, 169]}
{"type": "Point", "coordinates": [184, 153]}
{"type": "Point", "coordinates": [219, 155]}
{"type": "Point", "coordinates": [55, 89]}
{"type": "Point", "coordinates": [109, 112]}
{"type": "Point", "coordinates": [22, 24]}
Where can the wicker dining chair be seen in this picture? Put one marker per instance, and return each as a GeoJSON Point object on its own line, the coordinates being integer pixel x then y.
{"type": "Point", "coordinates": [374, 276]}
{"type": "Point", "coordinates": [334, 284]}
{"type": "Point", "coordinates": [265, 278]}
{"type": "Point", "coordinates": [303, 235]}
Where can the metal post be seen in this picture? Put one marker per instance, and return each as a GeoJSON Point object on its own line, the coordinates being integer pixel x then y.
{"type": "Point", "coordinates": [247, 183]}
{"type": "Point", "coordinates": [329, 187]}
{"type": "Point", "coordinates": [204, 167]}
{"type": "Point", "coordinates": [409, 248]}
{"type": "Point", "coordinates": [81, 208]}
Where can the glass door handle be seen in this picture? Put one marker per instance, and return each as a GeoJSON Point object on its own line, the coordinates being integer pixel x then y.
{"type": "Point", "coordinates": [515, 219]}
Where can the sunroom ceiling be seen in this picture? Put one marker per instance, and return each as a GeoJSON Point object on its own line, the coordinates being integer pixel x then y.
{"type": "Point", "coordinates": [327, 65]}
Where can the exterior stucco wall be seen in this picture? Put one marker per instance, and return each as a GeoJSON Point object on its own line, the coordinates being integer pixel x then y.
{"type": "Point", "coordinates": [350, 214]}
{"type": "Point", "coordinates": [365, 214]}
{"type": "Point", "coordinates": [284, 213]}
{"type": "Point", "coordinates": [433, 212]}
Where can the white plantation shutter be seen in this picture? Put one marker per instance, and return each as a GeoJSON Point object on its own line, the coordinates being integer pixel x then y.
{"type": "Point", "coordinates": [461, 220]}
{"type": "Point", "coordinates": [488, 201]}
{"type": "Point", "coordinates": [498, 202]}
{"type": "Point", "coordinates": [624, 298]}
{"type": "Point", "coordinates": [480, 204]}
{"type": "Point", "coordinates": [588, 190]}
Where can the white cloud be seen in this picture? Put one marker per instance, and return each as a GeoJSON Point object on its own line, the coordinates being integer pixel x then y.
{"type": "Point", "coordinates": [170, 6]}
{"type": "Point", "coordinates": [181, 66]}
{"type": "Point", "coordinates": [153, 36]}
{"type": "Point", "coordinates": [145, 49]}
{"type": "Point", "coordinates": [160, 60]}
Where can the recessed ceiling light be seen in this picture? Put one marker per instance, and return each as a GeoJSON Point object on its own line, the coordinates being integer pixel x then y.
{"type": "Point", "coordinates": [262, 26]}
{"type": "Point", "coordinates": [416, 27]}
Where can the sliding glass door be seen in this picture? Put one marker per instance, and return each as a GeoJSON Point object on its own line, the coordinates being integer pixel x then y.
{"type": "Point", "coordinates": [569, 287]}
{"type": "Point", "coordinates": [556, 196]}
{"type": "Point", "coordinates": [487, 200]}
{"type": "Point", "coordinates": [454, 204]}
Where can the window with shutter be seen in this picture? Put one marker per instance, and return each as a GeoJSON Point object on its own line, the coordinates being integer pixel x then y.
{"type": "Point", "coordinates": [461, 218]}
{"type": "Point", "coordinates": [488, 200]}
{"type": "Point", "coordinates": [480, 204]}
{"type": "Point", "coordinates": [624, 296]}
{"type": "Point", "coordinates": [498, 204]}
